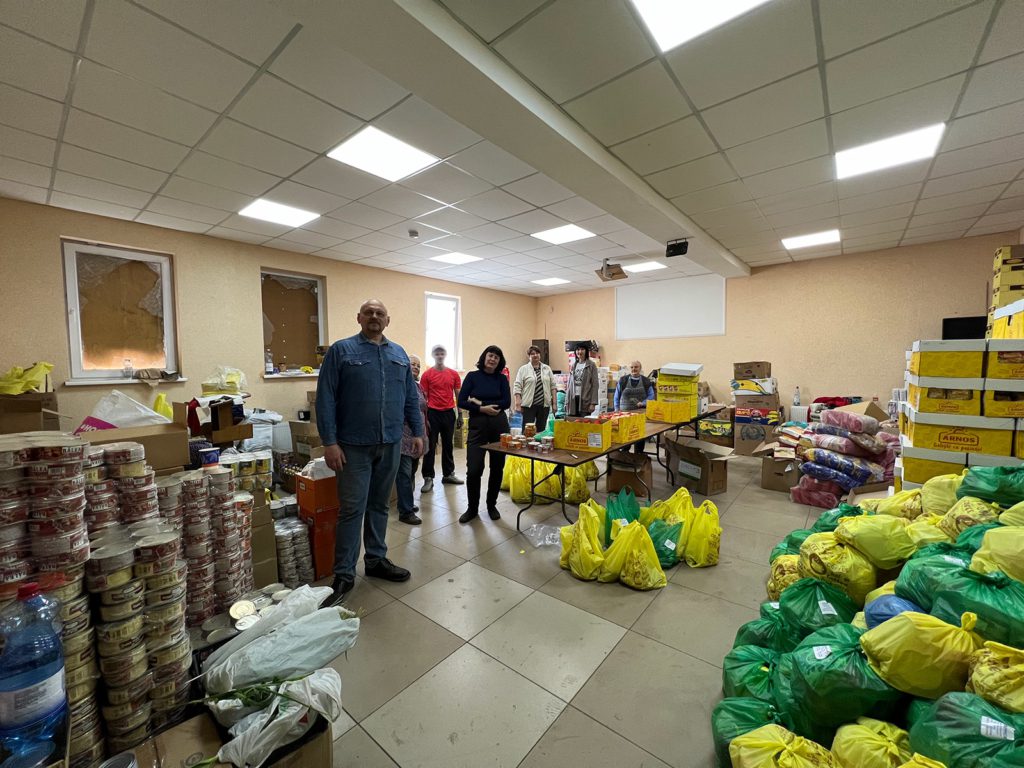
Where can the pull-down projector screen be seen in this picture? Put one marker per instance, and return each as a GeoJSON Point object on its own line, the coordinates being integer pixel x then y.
{"type": "Point", "coordinates": [683, 306]}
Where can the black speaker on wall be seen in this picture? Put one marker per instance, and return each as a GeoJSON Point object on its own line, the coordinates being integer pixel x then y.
{"type": "Point", "coordinates": [545, 350]}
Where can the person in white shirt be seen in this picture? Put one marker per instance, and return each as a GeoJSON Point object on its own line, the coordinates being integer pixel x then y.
{"type": "Point", "coordinates": [534, 390]}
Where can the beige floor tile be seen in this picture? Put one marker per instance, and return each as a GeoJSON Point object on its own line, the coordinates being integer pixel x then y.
{"type": "Point", "coordinates": [656, 697]}
{"type": "Point", "coordinates": [434, 517]}
{"type": "Point", "coordinates": [614, 602]}
{"type": "Point", "coordinates": [396, 646]}
{"type": "Point", "coordinates": [737, 581]}
{"type": "Point", "coordinates": [467, 599]}
{"type": "Point", "coordinates": [365, 598]}
{"type": "Point", "coordinates": [469, 540]}
{"type": "Point", "coordinates": [357, 750]}
{"type": "Point", "coordinates": [752, 546]}
{"type": "Point", "coordinates": [577, 740]}
{"type": "Point", "coordinates": [694, 623]}
{"type": "Point", "coordinates": [554, 644]}
{"type": "Point", "coordinates": [342, 724]}
{"type": "Point", "coordinates": [764, 517]}
{"type": "Point", "coordinates": [470, 711]}
{"type": "Point", "coordinates": [519, 560]}
{"type": "Point", "coordinates": [424, 561]}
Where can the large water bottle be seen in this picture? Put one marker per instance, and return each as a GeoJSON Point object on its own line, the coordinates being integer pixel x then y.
{"type": "Point", "coordinates": [33, 705]}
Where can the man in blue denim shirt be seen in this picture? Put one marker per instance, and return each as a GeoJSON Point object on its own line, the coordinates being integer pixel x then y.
{"type": "Point", "coordinates": [364, 395]}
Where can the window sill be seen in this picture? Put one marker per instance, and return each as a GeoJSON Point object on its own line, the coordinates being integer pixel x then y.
{"type": "Point", "coordinates": [278, 376]}
{"type": "Point", "coordinates": [118, 382]}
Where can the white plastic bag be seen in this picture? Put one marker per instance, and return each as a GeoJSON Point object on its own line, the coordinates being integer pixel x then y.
{"type": "Point", "coordinates": [118, 410]}
{"type": "Point", "coordinates": [317, 469]}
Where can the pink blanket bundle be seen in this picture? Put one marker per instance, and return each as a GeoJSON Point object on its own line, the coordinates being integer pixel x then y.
{"type": "Point", "coordinates": [842, 445]}
{"type": "Point", "coordinates": [855, 422]}
{"type": "Point", "coordinates": [808, 483]}
{"type": "Point", "coordinates": [813, 498]}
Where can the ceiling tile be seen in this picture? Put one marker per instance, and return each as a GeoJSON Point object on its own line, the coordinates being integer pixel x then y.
{"type": "Point", "coordinates": [574, 209]}
{"type": "Point", "coordinates": [555, 252]}
{"type": "Point", "coordinates": [736, 216]}
{"type": "Point", "coordinates": [800, 198]}
{"type": "Point", "coordinates": [522, 244]}
{"type": "Point", "coordinates": [26, 146]}
{"type": "Point", "coordinates": [958, 182]}
{"type": "Point", "coordinates": [532, 221]}
{"type": "Point", "coordinates": [128, 39]}
{"type": "Point", "coordinates": [224, 173]}
{"type": "Point", "coordinates": [916, 108]}
{"type": "Point", "coordinates": [339, 179]}
{"type": "Point", "coordinates": [426, 128]}
{"type": "Point", "coordinates": [845, 25]}
{"type": "Point", "coordinates": [333, 228]}
{"type": "Point", "coordinates": [401, 201]}
{"type": "Point", "coordinates": [491, 19]}
{"type": "Point", "coordinates": [491, 163]}
{"type": "Point", "coordinates": [712, 198]}
{"type": "Point", "coordinates": [171, 222]}
{"type": "Point", "coordinates": [783, 148]}
{"type": "Point", "coordinates": [491, 233]}
{"type": "Point", "coordinates": [887, 179]}
{"type": "Point", "coordinates": [790, 102]}
{"type": "Point", "coordinates": [539, 190]}
{"type": "Point", "coordinates": [979, 156]}
{"type": "Point", "coordinates": [1007, 204]}
{"type": "Point", "coordinates": [782, 258]}
{"type": "Point", "coordinates": [929, 52]}
{"type": "Point", "coordinates": [951, 214]}
{"type": "Point", "coordinates": [632, 239]}
{"type": "Point", "coordinates": [1017, 188]}
{"type": "Point", "coordinates": [905, 194]}
{"type": "Point", "coordinates": [256, 226]}
{"type": "Point", "coordinates": [731, 238]}
{"type": "Point", "coordinates": [280, 109]}
{"type": "Point", "coordinates": [595, 244]}
{"type": "Point", "coordinates": [87, 163]}
{"type": "Point", "coordinates": [424, 251]}
{"type": "Point", "coordinates": [690, 177]}
{"type": "Point", "coordinates": [1007, 34]}
{"type": "Point", "coordinates": [876, 242]}
{"type": "Point", "coordinates": [286, 244]}
{"type": "Point", "coordinates": [881, 245]}
{"type": "Point", "coordinates": [231, 24]}
{"type": "Point", "coordinates": [488, 251]}
{"type": "Point", "coordinates": [323, 69]}
{"type": "Point", "coordinates": [455, 243]}
{"type": "Point", "coordinates": [602, 225]}
{"type": "Point", "coordinates": [877, 215]}
{"type": "Point", "coordinates": [29, 112]}
{"type": "Point", "coordinates": [59, 26]}
{"type": "Point", "coordinates": [807, 254]}
{"type": "Point", "coordinates": [496, 204]}
{"type": "Point", "coordinates": [168, 206]}
{"type": "Point", "coordinates": [307, 198]}
{"type": "Point", "coordinates": [96, 133]}
{"type": "Point", "coordinates": [446, 182]}
{"type": "Point", "coordinates": [604, 43]}
{"type": "Point", "coordinates": [629, 105]}
{"type": "Point", "coordinates": [994, 85]}
{"type": "Point", "coordinates": [934, 238]}
{"type": "Point", "coordinates": [236, 234]}
{"type": "Point", "coordinates": [203, 194]}
{"type": "Point", "coordinates": [245, 145]}
{"type": "Point", "coordinates": [958, 199]}
{"type": "Point", "coordinates": [17, 191]}
{"type": "Point", "coordinates": [450, 220]}
{"type": "Point", "coordinates": [766, 44]}
{"type": "Point", "coordinates": [102, 190]}
{"type": "Point", "coordinates": [87, 205]}
{"type": "Point", "coordinates": [360, 250]}
{"type": "Point", "coordinates": [365, 216]}
{"type": "Point", "coordinates": [801, 215]}
{"type": "Point", "coordinates": [804, 174]}
{"type": "Point", "coordinates": [1011, 220]}
{"type": "Point", "coordinates": [666, 147]}
{"type": "Point", "coordinates": [34, 66]}
{"type": "Point", "coordinates": [984, 126]}
{"type": "Point", "coordinates": [108, 93]}
{"type": "Point", "coordinates": [950, 228]}
{"type": "Point", "coordinates": [991, 229]}
{"type": "Point", "coordinates": [878, 229]}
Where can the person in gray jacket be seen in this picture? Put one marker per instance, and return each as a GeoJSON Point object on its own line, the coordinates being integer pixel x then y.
{"type": "Point", "coordinates": [534, 390]}
{"type": "Point", "coordinates": [581, 395]}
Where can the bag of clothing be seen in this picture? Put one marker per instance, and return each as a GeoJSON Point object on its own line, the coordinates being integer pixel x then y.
{"type": "Point", "coordinates": [1002, 549]}
{"type": "Point", "coordinates": [997, 675]}
{"type": "Point", "coordinates": [873, 444]}
{"type": "Point", "coordinates": [922, 577]}
{"type": "Point", "coordinates": [882, 539]}
{"type": "Point", "coordinates": [665, 537]}
{"type": "Point", "coordinates": [830, 475]}
{"type": "Point", "coordinates": [885, 607]}
{"type": "Point", "coordinates": [772, 746]}
{"type": "Point", "coordinates": [1002, 485]}
{"type": "Point", "coordinates": [812, 498]}
{"type": "Point", "coordinates": [964, 731]}
{"type": "Point", "coordinates": [938, 494]}
{"type": "Point", "coordinates": [821, 428]}
{"type": "Point", "coordinates": [747, 671]}
{"type": "Point", "coordinates": [791, 544]}
{"type": "Point", "coordinates": [785, 570]}
{"type": "Point", "coordinates": [995, 598]}
{"type": "Point", "coordinates": [870, 743]}
{"type": "Point", "coordinates": [823, 557]}
{"type": "Point", "coordinates": [705, 537]}
{"type": "Point", "coordinates": [843, 445]}
{"type": "Point", "coordinates": [735, 717]}
{"type": "Point", "coordinates": [632, 560]}
{"type": "Point", "coordinates": [861, 470]}
{"type": "Point", "coordinates": [810, 484]}
{"type": "Point", "coordinates": [905, 504]}
{"type": "Point", "coordinates": [968, 511]}
{"type": "Point", "coordinates": [853, 422]}
{"type": "Point", "coordinates": [810, 605]}
{"type": "Point", "coordinates": [827, 521]}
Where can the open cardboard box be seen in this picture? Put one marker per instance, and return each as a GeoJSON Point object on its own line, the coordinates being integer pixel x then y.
{"type": "Point", "coordinates": [166, 444]}
{"type": "Point", "coordinates": [29, 412]}
{"type": "Point", "coordinates": [699, 466]}
{"type": "Point", "coordinates": [780, 470]}
{"type": "Point", "coordinates": [866, 408]}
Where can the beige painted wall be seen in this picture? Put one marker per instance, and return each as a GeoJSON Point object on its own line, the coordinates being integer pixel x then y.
{"type": "Point", "coordinates": [218, 304]}
{"type": "Point", "coordinates": [830, 326]}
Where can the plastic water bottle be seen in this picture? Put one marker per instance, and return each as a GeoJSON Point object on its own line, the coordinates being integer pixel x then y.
{"type": "Point", "coordinates": [32, 701]}
{"type": "Point", "coordinates": [516, 422]}
{"type": "Point", "coordinates": [796, 397]}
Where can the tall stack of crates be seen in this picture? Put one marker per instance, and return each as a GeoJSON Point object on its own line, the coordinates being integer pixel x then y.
{"type": "Point", "coordinates": [1007, 290]}
{"type": "Point", "coordinates": [758, 410]}
{"type": "Point", "coordinates": [676, 397]}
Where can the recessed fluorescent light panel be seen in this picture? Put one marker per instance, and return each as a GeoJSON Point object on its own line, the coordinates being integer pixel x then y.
{"type": "Point", "coordinates": [567, 234]}
{"type": "Point", "coordinates": [816, 238]}
{"type": "Point", "coordinates": [674, 22]}
{"type": "Point", "coordinates": [896, 150]}
{"type": "Point", "coordinates": [644, 266]}
{"type": "Point", "coordinates": [456, 258]}
{"type": "Point", "coordinates": [550, 281]}
{"type": "Point", "coordinates": [278, 213]}
{"type": "Point", "coordinates": [381, 154]}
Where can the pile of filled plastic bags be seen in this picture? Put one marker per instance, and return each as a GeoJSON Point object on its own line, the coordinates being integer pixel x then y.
{"type": "Point", "coordinates": [516, 479]}
{"type": "Point", "coordinates": [632, 544]}
{"type": "Point", "coordinates": [893, 636]}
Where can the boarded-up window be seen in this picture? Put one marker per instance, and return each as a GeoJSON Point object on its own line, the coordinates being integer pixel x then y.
{"type": "Point", "coordinates": [120, 310]}
{"type": "Point", "coordinates": [292, 328]}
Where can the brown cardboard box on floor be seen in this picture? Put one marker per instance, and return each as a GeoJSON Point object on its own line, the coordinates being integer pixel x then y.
{"type": "Point", "coordinates": [699, 466]}
{"type": "Point", "coordinates": [626, 470]}
{"type": "Point", "coordinates": [166, 444]}
{"type": "Point", "coordinates": [779, 474]}
{"type": "Point", "coordinates": [263, 544]}
{"type": "Point", "coordinates": [264, 572]}
{"type": "Point", "coordinates": [28, 412]}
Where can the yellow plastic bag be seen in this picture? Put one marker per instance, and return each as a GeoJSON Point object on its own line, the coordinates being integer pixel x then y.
{"type": "Point", "coordinates": [585, 554]}
{"type": "Point", "coordinates": [823, 557]}
{"type": "Point", "coordinates": [920, 761]}
{"type": "Point", "coordinates": [925, 530]}
{"type": "Point", "coordinates": [632, 560]}
{"type": "Point", "coordinates": [785, 570]}
{"type": "Point", "coordinates": [565, 537]}
{"type": "Point", "coordinates": [882, 539]}
{"type": "Point", "coordinates": [656, 511]}
{"type": "Point", "coordinates": [772, 746]}
{"type": "Point", "coordinates": [546, 492]}
{"type": "Point", "coordinates": [939, 493]}
{"type": "Point", "coordinates": [1014, 515]}
{"type": "Point", "coordinates": [18, 380]}
{"type": "Point", "coordinates": [163, 407]}
{"type": "Point", "coordinates": [1002, 549]}
{"type": "Point", "coordinates": [997, 675]}
{"type": "Point", "coordinates": [920, 654]}
{"type": "Point", "coordinates": [859, 621]}
{"type": "Point", "coordinates": [590, 471]}
{"type": "Point", "coordinates": [905, 504]}
{"type": "Point", "coordinates": [966, 512]}
{"type": "Point", "coordinates": [705, 538]}
{"type": "Point", "coordinates": [871, 743]}
{"type": "Point", "coordinates": [601, 513]}
{"type": "Point", "coordinates": [576, 489]}
{"type": "Point", "coordinates": [889, 588]}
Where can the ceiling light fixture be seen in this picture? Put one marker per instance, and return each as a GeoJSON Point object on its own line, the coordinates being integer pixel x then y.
{"type": "Point", "coordinates": [267, 210]}
{"type": "Point", "coordinates": [674, 22]}
{"type": "Point", "coordinates": [886, 153]}
{"type": "Point", "coordinates": [456, 258]}
{"type": "Point", "coordinates": [644, 266]}
{"type": "Point", "coordinates": [550, 281]}
{"type": "Point", "coordinates": [567, 234]}
{"type": "Point", "coordinates": [381, 154]}
{"type": "Point", "coordinates": [815, 238]}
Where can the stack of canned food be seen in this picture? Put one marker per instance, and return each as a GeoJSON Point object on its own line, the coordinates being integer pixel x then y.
{"type": "Point", "coordinates": [253, 472]}
{"type": "Point", "coordinates": [197, 538]}
{"type": "Point", "coordinates": [294, 556]}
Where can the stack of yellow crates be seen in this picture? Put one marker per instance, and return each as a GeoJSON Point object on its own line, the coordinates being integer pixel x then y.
{"type": "Point", "coordinates": [1007, 292]}
{"type": "Point", "coordinates": [677, 399]}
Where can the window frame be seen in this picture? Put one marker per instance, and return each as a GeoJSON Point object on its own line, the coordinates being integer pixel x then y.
{"type": "Point", "coordinates": [457, 352]}
{"type": "Point", "coordinates": [321, 309]}
{"type": "Point", "coordinates": [70, 248]}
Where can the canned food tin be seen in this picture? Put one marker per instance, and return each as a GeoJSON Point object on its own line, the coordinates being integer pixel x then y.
{"type": "Point", "coordinates": [119, 676]}
{"type": "Point", "coordinates": [128, 740]}
{"type": "Point", "coordinates": [166, 595]}
{"type": "Point", "coordinates": [110, 558]}
{"type": "Point", "coordinates": [11, 490]}
{"type": "Point", "coordinates": [40, 509]}
{"type": "Point", "coordinates": [84, 723]}
{"type": "Point", "coordinates": [162, 614]}
{"type": "Point", "coordinates": [168, 487]}
{"type": "Point", "coordinates": [246, 622]}
{"type": "Point", "coordinates": [76, 626]}
{"type": "Point", "coordinates": [83, 674]}
{"type": "Point", "coordinates": [170, 688]}
{"type": "Point", "coordinates": [123, 452]}
{"type": "Point", "coordinates": [13, 451]}
{"type": "Point", "coordinates": [95, 474]}
{"type": "Point", "coordinates": [97, 489]}
{"type": "Point", "coordinates": [128, 483]}
{"type": "Point", "coordinates": [192, 479]}
{"type": "Point", "coordinates": [79, 692]}
{"type": "Point", "coordinates": [158, 547]}
{"type": "Point", "coordinates": [52, 470]}
{"type": "Point", "coordinates": [116, 664]}
{"type": "Point", "coordinates": [13, 532]}
{"type": "Point", "coordinates": [135, 496]}
{"type": "Point", "coordinates": [167, 703]}
{"type": "Point", "coordinates": [196, 532]}
{"type": "Point", "coordinates": [154, 567]}
{"type": "Point", "coordinates": [61, 543]}
{"type": "Point", "coordinates": [83, 710]}
{"type": "Point", "coordinates": [246, 464]}
{"type": "Point", "coordinates": [98, 582]}
{"type": "Point", "coordinates": [171, 671]}
{"type": "Point", "coordinates": [13, 511]}
{"type": "Point", "coordinates": [163, 720]}
{"type": "Point", "coordinates": [160, 634]}
{"type": "Point", "coordinates": [56, 525]}
{"type": "Point", "coordinates": [133, 720]}
{"type": "Point", "coordinates": [130, 469]}
{"type": "Point", "coordinates": [124, 593]}
{"type": "Point", "coordinates": [122, 611]}
{"type": "Point", "coordinates": [56, 448]}
{"type": "Point", "coordinates": [220, 635]}
{"type": "Point", "coordinates": [121, 711]}
{"type": "Point", "coordinates": [90, 756]}
{"type": "Point", "coordinates": [62, 587]}
{"type": "Point", "coordinates": [74, 608]}
{"type": "Point", "coordinates": [119, 647]}
{"type": "Point", "coordinates": [79, 658]}
{"type": "Point", "coordinates": [78, 641]}
{"type": "Point", "coordinates": [102, 502]}
{"type": "Point", "coordinates": [135, 690]}
{"type": "Point", "coordinates": [63, 560]}
{"type": "Point", "coordinates": [171, 653]}
{"type": "Point", "coordinates": [199, 550]}
{"type": "Point", "coordinates": [218, 475]}
{"type": "Point", "coordinates": [177, 575]}
{"type": "Point", "coordinates": [84, 742]}
{"type": "Point", "coordinates": [56, 489]}
{"type": "Point", "coordinates": [119, 630]}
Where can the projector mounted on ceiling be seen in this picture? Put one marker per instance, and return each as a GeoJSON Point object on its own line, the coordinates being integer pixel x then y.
{"type": "Point", "coordinates": [676, 247]}
{"type": "Point", "coordinates": [609, 272]}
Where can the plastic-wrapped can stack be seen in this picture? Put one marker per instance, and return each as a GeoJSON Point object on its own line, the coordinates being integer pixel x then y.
{"type": "Point", "coordinates": [294, 556]}
{"type": "Point", "coordinates": [227, 538]}
{"type": "Point", "coordinates": [171, 501]}
{"type": "Point", "coordinates": [253, 472]}
{"type": "Point", "coordinates": [244, 503]}
{"type": "Point", "coordinates": [102, 504]}
{"type": "Point", "coordinates": [198, 546]}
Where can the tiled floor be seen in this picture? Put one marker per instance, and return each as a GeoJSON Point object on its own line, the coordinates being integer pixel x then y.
{"type": "Point", "coordinates": [491, 655]}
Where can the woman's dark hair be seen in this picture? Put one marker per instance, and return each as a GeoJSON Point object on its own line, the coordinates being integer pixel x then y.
{"type": "Point", "coordinates": [496, 350]}
{"type": "Point", "coordinates": [533, 348]}
{"type": "Point", "coordinates": [585, 348]}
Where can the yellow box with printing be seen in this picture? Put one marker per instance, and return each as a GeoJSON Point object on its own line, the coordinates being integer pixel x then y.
{"type": "Point", "coordinates": [672, 413]}
{"type": "Point", "coordinates": [583, 436]}
{"type": "Point", "coordinates": [931, 394]}
{"type": "Point", "coordinates": [684, 388]}
{"type": "Point", "coordinates": [960, 434]}
{"type": "Point", "coordinates": [677, 380]}
{"type": "Point", "coordinates": [985, 460]}
{"type": "Point", "coordinates": [1008, 322]}
{"type": "Point", "coordinates": [1005, 359]}
{"type": "Point", "coordinates": [1005, 253]}
{"type": "Point", "coordinates": [948, 359]}
{"type": "Point", "coordinates": [628, 429]}
{"type": "Point", "coordinates": [1005, 295]}
{"type": "Point", "coordinates": [1004, 398]}
{"type": "Point", "coordinates": [922, 464]}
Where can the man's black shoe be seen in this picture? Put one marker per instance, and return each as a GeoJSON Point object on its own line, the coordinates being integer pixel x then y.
{"type": "Point", "coordinates": [385, 569]}
{"type": "Point", "coordinates": [410, 519]}
{"type": "Point", "coordinates": [342, 586]}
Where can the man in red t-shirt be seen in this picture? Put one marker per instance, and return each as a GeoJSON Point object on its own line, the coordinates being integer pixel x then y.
{"type": "Point", "coordinates": [441, 387]}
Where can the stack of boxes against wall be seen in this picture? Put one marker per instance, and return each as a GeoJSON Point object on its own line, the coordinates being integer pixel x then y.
{"type": "Point", "coordinates": [758, 412]}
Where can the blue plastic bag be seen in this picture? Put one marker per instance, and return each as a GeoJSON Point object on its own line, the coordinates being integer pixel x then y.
{"type": "Point", "coordinates": [885, 607]}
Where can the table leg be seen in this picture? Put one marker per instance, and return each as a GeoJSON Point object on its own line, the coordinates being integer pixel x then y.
{"type": "Point", "coordinates": [533, 494]}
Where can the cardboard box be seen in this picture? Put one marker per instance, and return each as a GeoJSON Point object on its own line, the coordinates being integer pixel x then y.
{"type": "Point", "coordinates": [583, 436]}
{"type": "Point", "coordinates": [629, 429]}
{"type": "Point", "coordinates": [779, 474]}
{"type": "Point", "coordinates": [28, 412]}
{"type": "Point", "coordinates": [758, 403]}
{"type": "Point", "coordinates": [322, 528]}
{"type": "Point", "coordinates": [747, 387]}
{"type": "Point", "coordinates": [931, 394]}
{"type": "Point", "coordinates": [221, 429]}
{"type": "Point", "coordinates": [672, 413]}
{"type": "Point", "coordinates": [986, 460]}
{"type": "Point", "coordinates": [866, 408]}
{"type": "Point", "coordinates": [758, 369]}
{"type": "Point", "coordinates": [715, 431]}
{"type": "Point", "coordinates": [263, 544]}
{"type": "Point", "coordinates": [749, 435]}
{"type": "Point", "coordinates": [1004, 398]}
{"type": "Point", "coordinates": [699, 466]}
{"type": "Point", "coordinates": [960, 434]}
{"type": "Point", "coordinates": [623, 471]}
{"type": "Point", "coordinates": [680, 369]}
{"type": "Point", "coordinates": [261, 514]}
{"type": "Point", "coordinates": [166, 444]}
{"type": "Point", "coordinates": [688, 388]}
{"type": "Point", "coordinates": [922, 464]}
{"type": "Point", "coordinates": [264, 572]}
{"type": "Point", "coordinates": [316, 495]}
{"type": "Point", "coordinates": [948, 359]}
{"type": "Point", "coordinates": [1007, 252]}
{"type": "Point", "coordinates": [1005, 359]}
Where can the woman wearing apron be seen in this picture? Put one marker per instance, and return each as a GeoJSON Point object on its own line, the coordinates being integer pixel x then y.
{"type": "Point", "coordinates": [632, 393]}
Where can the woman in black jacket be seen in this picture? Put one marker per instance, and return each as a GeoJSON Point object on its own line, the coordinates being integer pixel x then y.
{"type": "Point", "coordinates": [486, 395]}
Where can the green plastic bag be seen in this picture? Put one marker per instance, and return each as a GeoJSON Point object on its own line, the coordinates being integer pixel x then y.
{"type": "Point", "coordinates": [1003, 485]}
{"type": "Point", "coordinates": [971, 537]}
{"type": "Point", "coordinates": [735, 717]}
{"type": "Point", "coordinates": [768, 631]}
{"type": "Point", "coordinates": [747, 671]}
{"type": "Point", "coordinates": [812, 604]}
{"type": "Point", "coordinates": [623, 509]}
{"type": "Point", "coordinates": [943, 548]}
{"type": "Point", "coordinates": [791, 544]}
{"type": "Point", "coordinates": [916, 709]}
{"type": "Point", "coordinates": [997, 600]}
{"type": "Point", "coordinates": [665, 536]}
{"type": "Point", "coordinates": [830, 519]}
{"type": "Point", "coordinates": [922, 577]}
{"type": "Point", "coordinates": [963, 730]}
